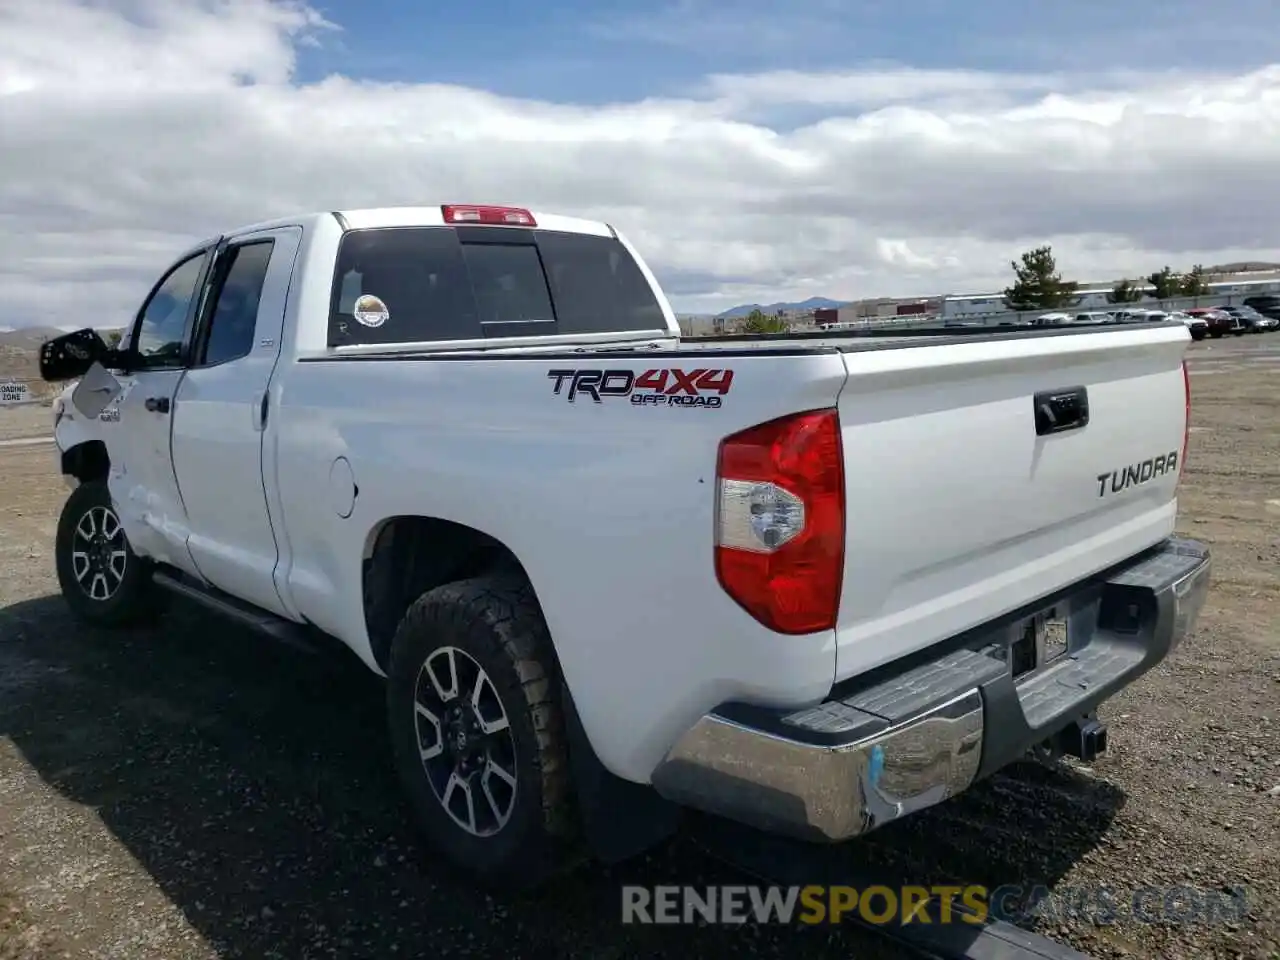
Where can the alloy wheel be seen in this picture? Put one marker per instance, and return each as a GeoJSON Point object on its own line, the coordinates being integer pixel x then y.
{"type": "Point", "coordinates": [465, 741]}
{"type": "Point", "coordinates": [98, 554]}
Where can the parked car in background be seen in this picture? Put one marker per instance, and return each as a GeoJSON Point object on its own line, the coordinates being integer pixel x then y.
{"type": "Point", "coordinates": [1267, 304]}
{"type": "Point", "coordinates": [1233, 324]}
{"type": "Point", "coordinates": [1095, 316]}
{"type": "Point", "coordinates": [1220, 322]}
{"type": "Point", "coordinates": [1254, 322]}
{"type": "Point", "coordinates": [1129, 315]}
{"type": "Point", "coordinates": [1198, 326]}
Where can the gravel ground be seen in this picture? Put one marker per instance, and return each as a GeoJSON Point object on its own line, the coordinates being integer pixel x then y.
{"type": "Point", "coordinates": [28, 420]}
{"type": "Point", "coordinates": [191, 792]}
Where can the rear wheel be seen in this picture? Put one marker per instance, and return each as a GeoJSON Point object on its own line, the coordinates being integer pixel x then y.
{"type": "Point", "coordinates": [477, 733]}
{"type": "Point", "coordinates": [102, 579]}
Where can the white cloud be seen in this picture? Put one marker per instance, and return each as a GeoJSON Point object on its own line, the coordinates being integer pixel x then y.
{"type": "Point", "coordinates": [130, 131]}
{"type": "Point", "coordinates": [871, 87]}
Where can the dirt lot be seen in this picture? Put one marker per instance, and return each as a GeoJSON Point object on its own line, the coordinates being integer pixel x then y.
{"type": "Point", "coordinates": [189, 792]}
{"type": "Point", "coordinates": [28, 420]}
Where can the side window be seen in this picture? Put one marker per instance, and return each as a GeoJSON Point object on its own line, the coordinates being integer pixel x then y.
{"type": "Point", "coordinates": [239, 276]}
{"type": "Point", "coordinates": [162, 322]}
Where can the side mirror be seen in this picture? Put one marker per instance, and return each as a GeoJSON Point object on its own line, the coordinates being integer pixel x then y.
{"type": "Point", "coordinates": [71, 355]}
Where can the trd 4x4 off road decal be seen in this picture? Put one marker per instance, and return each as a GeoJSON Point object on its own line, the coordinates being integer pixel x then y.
{"type": "Point", "coordinates": [667, 387]}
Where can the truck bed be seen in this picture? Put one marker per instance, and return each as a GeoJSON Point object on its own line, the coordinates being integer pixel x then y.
{"type": "Point", "coordinates": [968, 513]}
{"type": "Point", "coordinates": [889, 338]}
{"type": "Point", "coordinates": [753, 344]}
{"type": "Point", "coordinates": [957, 512]}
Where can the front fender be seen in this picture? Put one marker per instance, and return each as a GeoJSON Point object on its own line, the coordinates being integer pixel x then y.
{"type": "Point", "coordinates": [70, 430]}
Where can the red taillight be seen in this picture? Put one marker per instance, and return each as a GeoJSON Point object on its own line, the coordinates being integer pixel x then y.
{"type": "Point", "coordinates": [779, 548]}
{"type": "Point", "coordinates": [496, 216]}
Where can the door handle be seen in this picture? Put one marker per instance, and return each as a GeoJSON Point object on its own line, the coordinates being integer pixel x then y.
{"type": "Point", "coordinates": [1059, 410]}
{"type": "Point", "coordinates": [157, 404]}
{"type": "Point", "coordinates": [259, 411]}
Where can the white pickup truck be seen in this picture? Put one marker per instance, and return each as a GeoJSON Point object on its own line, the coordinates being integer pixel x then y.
{"type": "Point", "coordinates": [808, 582]}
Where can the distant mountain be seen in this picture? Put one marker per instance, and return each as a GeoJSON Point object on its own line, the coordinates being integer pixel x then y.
{"type": "Point", "coordinates": [30, 338]}
{"type": "Point", "coordinates": [20, 347]}
{"type": "Point", "coordinates": [812, 303]}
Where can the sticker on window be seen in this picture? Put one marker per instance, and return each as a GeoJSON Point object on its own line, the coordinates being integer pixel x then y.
{"type": "Point", "coordinates": [370, 311]}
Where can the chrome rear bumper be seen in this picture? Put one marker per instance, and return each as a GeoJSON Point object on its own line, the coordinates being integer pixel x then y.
{"type": "Point", "coordinates": [872, 755]}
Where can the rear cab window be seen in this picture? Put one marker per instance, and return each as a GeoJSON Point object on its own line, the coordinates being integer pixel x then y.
{"type": "Point", "coordinates": [449, 283]}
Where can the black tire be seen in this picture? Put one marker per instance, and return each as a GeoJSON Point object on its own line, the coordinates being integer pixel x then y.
{"type": "Point", "coordinates": [496, 622]}
{"type": "Point", "coordinates": [1216, 334]}
{"type": "Point", "coordinates": [132, 597]}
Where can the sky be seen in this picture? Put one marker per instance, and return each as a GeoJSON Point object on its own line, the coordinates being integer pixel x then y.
{"type": "Point", "coordinates": [753, 151]}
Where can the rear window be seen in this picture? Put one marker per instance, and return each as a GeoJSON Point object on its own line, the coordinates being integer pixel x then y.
{"type": "Point", "coordinates": [405, 284]}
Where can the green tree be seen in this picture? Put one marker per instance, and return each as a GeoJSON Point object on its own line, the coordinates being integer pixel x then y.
{"type": "Point", "coordinates": [1124, 292]}
{"type": "Point", "coordinates": [1193, 283]}
{"type": "Point", "coordinates": [757, 321]}
{"type": "Point", "coordinates": [1037, 284]}
{"type": "Point", "coordinates": [1165, 284]}
{"type": "Point", "coordinates": [113, 338]}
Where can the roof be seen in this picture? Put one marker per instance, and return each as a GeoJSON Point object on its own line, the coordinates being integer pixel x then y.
{"type": "Point", "coordinates": [433, 216]}
{"type": "Point", "coordinates": [416, 216]}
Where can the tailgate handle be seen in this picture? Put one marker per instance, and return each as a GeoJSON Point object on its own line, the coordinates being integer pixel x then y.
{"type": "Point", "coordinates": [1059, 410]}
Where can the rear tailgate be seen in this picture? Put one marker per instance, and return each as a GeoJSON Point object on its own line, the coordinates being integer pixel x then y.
{"type": "Point", "coordinates": [958, 512]}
